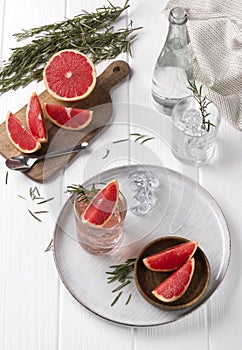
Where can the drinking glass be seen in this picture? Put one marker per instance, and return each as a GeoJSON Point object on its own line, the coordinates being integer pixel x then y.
{"type": "Point", "coordinates": [100, 240]}
{"type": "Point", "coordinates": [193, 142]}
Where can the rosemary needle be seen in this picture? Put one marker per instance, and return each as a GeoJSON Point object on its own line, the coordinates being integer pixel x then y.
{"type": "Point", "coordinates": [46, 200]}
{"type": "Point", "coordinates": [116, 299]}
{"type": "Point", "coordinates": [50, 246]}
{"type": "Point", "coordinates": [36, 218]}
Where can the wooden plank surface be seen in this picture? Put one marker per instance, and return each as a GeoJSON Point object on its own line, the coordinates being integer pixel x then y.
{"type": "Point", "coordinates": [37, 312]}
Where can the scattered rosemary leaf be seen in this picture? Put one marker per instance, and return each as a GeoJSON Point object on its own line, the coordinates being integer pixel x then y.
{"type": "Point", "coordinates": [46, 200]}
{"type": "Point", "coordinates": [116, 299]}
{"type": "Point", "coordinates": [122, 140]}
{"type": "Point", "coordinates": [147, 139]}
{"type": "Point", "coordinates": [121, 286]}
{"type": "Point", "coordinates": [41, 212]}
{"type": "Point", "coordinates": [106, 154]}
{"type": "Point", "coordinates": [49, 247]}
{"type": "Point", "coordinates": [22, 197]}
{"type": "Point", "coordinates": [34, 216]}
{"type": "Point", "coordinates": [6, 178]}
{"type": "Point", "coordinates": [138, 137]}
{"type": "Point", "coordinates": [128, 300]}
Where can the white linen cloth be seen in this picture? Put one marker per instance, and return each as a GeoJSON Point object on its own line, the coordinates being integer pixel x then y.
{"type": "Point", "coordinates": [215, 32]}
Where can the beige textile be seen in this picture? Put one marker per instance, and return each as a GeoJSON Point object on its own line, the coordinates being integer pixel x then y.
{"type": "Point", "coordinates": [215, 32]}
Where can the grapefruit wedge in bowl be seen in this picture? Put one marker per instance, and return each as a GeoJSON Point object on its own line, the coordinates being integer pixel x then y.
{"type": "Point", "coordinates": [180, 288]}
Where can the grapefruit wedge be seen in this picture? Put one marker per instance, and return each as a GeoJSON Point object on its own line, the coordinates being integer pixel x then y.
{"type": "Point", "coordinates": [172, 258]}
{"type": "Point", "coordinates": [69, 75]}
{"type": "Point", "coordinates": [35, 119]}
{"type": "Point", "coordinates": [173, 287]}
{"type": "Point", "coordinates": [67, 117]}
{"type": "Point", "coordinates": [102, 206]}
{"type": "Point", "coordinates": [20, 137]}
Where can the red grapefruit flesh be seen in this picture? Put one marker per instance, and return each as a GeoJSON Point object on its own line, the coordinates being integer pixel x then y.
{"type": "Point", "coordinates": [102, 206]}
{"type": "Point", "coordinates": [173, 287]}
{"type": "Point", "coordinates": [171, 258]}
{"type": "Point", "coordinates": [35, 119]}
{"type": "Point", "coordinates": [20, 137]}
{"type": "Point", "coordinates": [68, 118]}
{"type": "Point", "coordinates": [69, 75]}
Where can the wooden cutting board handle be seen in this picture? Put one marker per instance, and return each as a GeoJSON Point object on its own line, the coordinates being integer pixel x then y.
{"type": "Point", "coordinates": [112, 75]}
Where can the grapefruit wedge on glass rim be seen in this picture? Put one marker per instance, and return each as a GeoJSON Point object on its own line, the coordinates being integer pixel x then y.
{"type": "Point", "coordinates": [171, 258]}
{"type": "Point", "coordinates": [35, 119]}
{"type": "Point", "coordinates": [102, 206]}
{"type": "Point", "coordinates": [67, 117]}
{"type": "Point", "coordinates": [175, 286]}
{"type": "Point", "coordinates": [69, 75]}
{"type": "Point", "coordinates": [20, 137]}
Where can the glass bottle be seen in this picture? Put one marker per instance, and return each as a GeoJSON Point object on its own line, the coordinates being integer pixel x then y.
{"type": "Point", "coordinates": [173, 66]}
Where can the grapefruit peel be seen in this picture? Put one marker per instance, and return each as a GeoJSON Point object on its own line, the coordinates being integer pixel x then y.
{"type": "Point", "coordinates": [20, 137]}
{"type": "Point", "coordinates": [102, 206]}
{"type": "Point", "coordinates": [171, 258]}
{"type": "Point", "coordinates": [69, 75]}
{"type": "Point", "coordinates": [35, 119]}
{"type": "Point", "coordinates": [67, 117]}
{"type": "Point", "coordinates": [175, 286]}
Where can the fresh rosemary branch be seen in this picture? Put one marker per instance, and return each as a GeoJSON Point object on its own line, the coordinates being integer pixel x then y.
{"type": "Point", "coordinates": [121, 273]}
{"type": "Point", "coordinates": [82, 192]}
{"type": "Point", "coordinates": [203, 103]}
{"type": "Point", "coordinates": [90, 32]}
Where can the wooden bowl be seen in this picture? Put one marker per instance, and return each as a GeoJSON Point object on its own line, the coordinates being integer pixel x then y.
{"type": "Point", "coordinates": [147, 280]}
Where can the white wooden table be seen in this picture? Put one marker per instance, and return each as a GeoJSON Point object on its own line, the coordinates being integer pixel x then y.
{"type": "Point", "coordinates": [37, 312]}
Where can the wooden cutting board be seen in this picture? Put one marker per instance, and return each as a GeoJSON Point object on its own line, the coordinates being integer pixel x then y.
{"type": "Point", "coordinates": [99, 101]}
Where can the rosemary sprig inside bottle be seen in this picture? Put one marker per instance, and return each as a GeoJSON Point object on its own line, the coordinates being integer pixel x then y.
{"type": "Point", "coordinates": [90, 32]}
{"type": "Point", "coordinates": [121, 273]}
{"type": "Point", "coordinates": [203, 103]}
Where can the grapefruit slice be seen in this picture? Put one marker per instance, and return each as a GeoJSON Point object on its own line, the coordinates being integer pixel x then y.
{"type": "Point", "coordinates": [173, 287]}
{"type": "Point", "coordinates": [172, 258]}
{"type": "Point", "coordinates": [20, 137]}
{"type": "Point", "coordinates": [102, 206]}
{"type": "Point", "coordinates": [68, 118]}
{"type": "Point", "coordinates": [69, 75]}
{"type": "Point", "coordinates": [35, 119]}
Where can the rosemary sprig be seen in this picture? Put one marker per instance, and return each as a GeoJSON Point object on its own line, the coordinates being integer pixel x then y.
{"type": "Point", "coordinates": [82, 192]}
{"type": "Point", "coordinates": [203, 103]}
{"type": "Point", "coordinates": [121, 273]}
{"type": "Point", "coordinates": [90, 32]}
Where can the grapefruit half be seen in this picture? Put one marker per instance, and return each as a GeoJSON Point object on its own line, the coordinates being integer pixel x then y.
{"type": "Point", "coordinates": [69, 75]}
{"type": "Point", "coordinates": [172, 258]}
{"type": "Point", "coordinates": [20, 137]}
{"type": "Point", "coordinates": [173, 287]}
{"type": "Point", "coordinates": [35, 119]}
{"type": "Point", "coordinates": [67, 117]}
{"type": "Point", "coordinates": [102, 206]}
